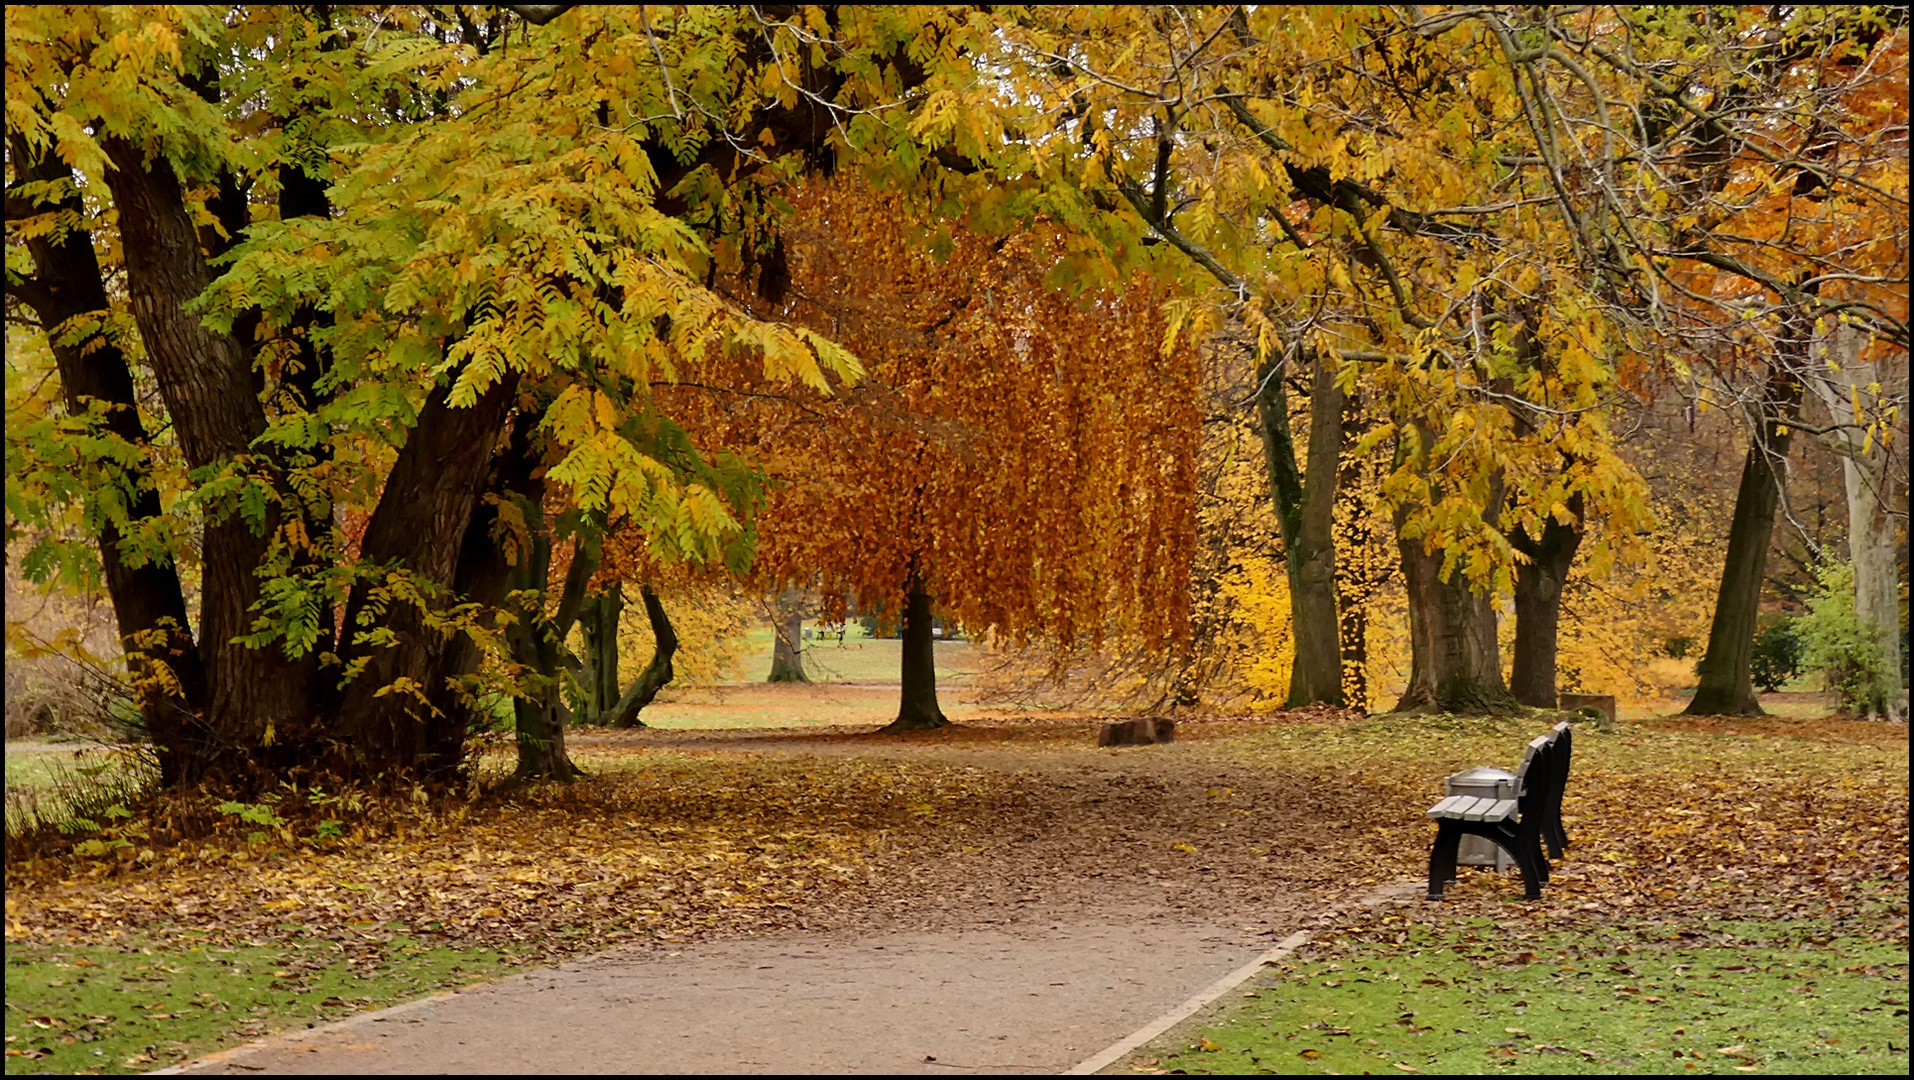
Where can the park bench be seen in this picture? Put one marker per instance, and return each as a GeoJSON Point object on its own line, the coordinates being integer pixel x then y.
{"type": "Point", "coordinates": [1520, 826]}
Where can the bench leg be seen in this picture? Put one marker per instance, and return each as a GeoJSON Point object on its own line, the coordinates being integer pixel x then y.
{"type": "Point", "coordinates": [1442, 857]}
{"type": "Point", "coordinates": [1528, 857]}
{"type": "Point", "coordinates": [1551, 833]}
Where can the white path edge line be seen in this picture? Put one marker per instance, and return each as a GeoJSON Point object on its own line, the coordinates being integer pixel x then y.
{"type": "Point", "coordinates": [1216, 990]}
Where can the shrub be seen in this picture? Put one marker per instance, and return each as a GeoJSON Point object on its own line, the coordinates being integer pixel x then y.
{"type": "Point", "coordinates": [1835, 642]}
{"type": "Point", "coordinates": [1777, 655]}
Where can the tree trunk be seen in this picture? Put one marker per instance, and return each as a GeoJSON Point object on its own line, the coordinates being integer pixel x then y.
{"type": "Point", "coordinates": [1726, 688]}
{"type": "Point", "coordinates": [1865, 468]}
{"type": "Point", "coordinates": [787, 646]}
{"type": "Point", "coordinates": [1538, 605]}
{"type": "Point", "coordinates": [255, 696]}
{"type": "Point", "coordinates": [1455, 664]}
{"type": "Point", "coordinates": [1356, 580]}
{"type": "Point", "coordinates": [656, 674]}
{"type": "Point", "coordinates": [1305, 510]}
{"type": "Point", "coordinates": [599, 621]}
{"type": "Point", "coordinates": [420, 527]}
{"type": "Point", "coordinates": [537, 643]}
{"type": "Point", "coordinates": [917, 706]}
{"type": "Point", "coordinates": [482, 576]}
{"type": "Point", "coordinates": [148, 603]}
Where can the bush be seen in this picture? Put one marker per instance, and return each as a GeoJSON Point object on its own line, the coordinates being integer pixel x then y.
{"type": "Point", "coordinates": [1777, 655]}
{"type": "Point", "coordinates": [1836, 643]}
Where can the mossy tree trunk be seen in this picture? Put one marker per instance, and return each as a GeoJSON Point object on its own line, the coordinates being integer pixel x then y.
{"type": "Point", "coordinates": [538, 643]}
{"type": "Point", "coordinates": [1305, 510]}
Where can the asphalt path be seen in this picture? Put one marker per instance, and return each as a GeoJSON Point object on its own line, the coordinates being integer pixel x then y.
{"type": "Point", "coordinates": [1020, 999]}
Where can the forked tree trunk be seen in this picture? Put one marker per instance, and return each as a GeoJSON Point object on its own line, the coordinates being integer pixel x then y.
{"type": "Point", "coordinates": [787, 645]}
{"type": "Point", "coordinates": [1726, 686]}
{"type": "Point", "coordinates": [1538, 606]}
{"type": "Point", "coordinates": [656, 674]}
{"type": "Point", "coordinates": [1305, 509]}
{"type": "Point", "coordinates": [917, 706]}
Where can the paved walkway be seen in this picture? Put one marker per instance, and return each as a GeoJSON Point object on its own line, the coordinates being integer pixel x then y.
{"type": "Point", "coordinates": [1017, 1000]}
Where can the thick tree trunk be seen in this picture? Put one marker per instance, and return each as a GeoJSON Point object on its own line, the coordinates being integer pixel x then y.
{"type": "Point", "coordinates": [420, 526]}
{"type": "Point", "coordinates": [656, 674]}
{"type": "Point", "coordinates": [148, 602]}
{"type": "Point", "coordinates": [1538, 605]}
{"type": "Point", "coordinates": [1305, 510]}
{"type": "Point", "coordinates": [1726, 688]}
{"type": "Point", "coordinates": [1455, 663]}
{"type": "Point", "coordinates": [917, 705]}
{"type": "Point", "coordinates": [256, 696]}
{"type": "Point", "coordinates": [787, 646]}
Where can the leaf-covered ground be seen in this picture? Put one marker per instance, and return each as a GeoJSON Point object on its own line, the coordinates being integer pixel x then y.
{"type": "Point", "coordinates": [1735, 899]}
{"type": "Point", "coordinates": [1267, 826]}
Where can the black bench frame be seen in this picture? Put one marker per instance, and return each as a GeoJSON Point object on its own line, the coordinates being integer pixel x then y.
{"type": "Point", "coordinates": [1519, 826]}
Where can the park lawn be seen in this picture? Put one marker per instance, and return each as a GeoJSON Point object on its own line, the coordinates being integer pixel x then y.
{"type": "Point", "coordinates": [857, 659]}
{"type": "Point", "coordinates": [1748, 996]}
{"type": "Point", "coordinates": [134, 1005]}
{"type": "Point", "coordinates": [1734, 899]}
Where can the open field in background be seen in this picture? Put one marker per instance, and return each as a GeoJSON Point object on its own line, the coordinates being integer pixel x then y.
{"type": "Point", "coordinates": [856, 659]}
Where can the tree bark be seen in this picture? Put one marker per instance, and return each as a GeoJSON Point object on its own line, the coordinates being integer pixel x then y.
{"type": "Point", "coordinates": [538, 644]}
{"type": "Point", "coordinates": [787, 646]}
{"type": "Point", "coordinates": [1305, 510]}
{"type": "Point", "coordinates": [148, 603]}
{"type": "Point", "coordinates": [420, 526]}
{"type": "Point", "coordinates": [656, 674]}
{"type": "Point", "coordinates": [1726, 688]}
{"type": "Point", "coordinates": [1455, 663]}
{"type": "Point", "coordinates": [599, 621]}
{"type": "Point", "coordinates": [1538, 605]}
{"type": "Point", "coordinates": [917, 706]}
{"type": "Point", "coordinates": [255, 696]}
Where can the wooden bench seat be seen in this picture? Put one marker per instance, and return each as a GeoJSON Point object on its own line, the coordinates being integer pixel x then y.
{"type": "Point", "coordinates": [1520, 826]}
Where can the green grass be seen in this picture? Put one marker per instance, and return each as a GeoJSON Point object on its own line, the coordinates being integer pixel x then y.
{"type": "Point", "coordinates": [856, 659]}
{"type": "Point", "coordinates": [1750, 996]}
{"type": "Point", "coordinates": [122, 1009]}
{"type": "Point", "coordinates": [47, 784]}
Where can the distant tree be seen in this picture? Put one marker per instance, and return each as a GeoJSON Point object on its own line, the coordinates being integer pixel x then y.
{"type": "Point", "coordinates": [1015, 457]}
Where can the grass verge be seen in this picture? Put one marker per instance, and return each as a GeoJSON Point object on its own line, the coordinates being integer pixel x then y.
{"type": "Point", "coordinates": [131, 1006]}
{"type": "Point", "coordinates": [1743, 996]}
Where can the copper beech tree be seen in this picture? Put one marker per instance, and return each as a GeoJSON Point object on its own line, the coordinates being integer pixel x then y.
{"type": "Point", "coordinates": [1016, 456]}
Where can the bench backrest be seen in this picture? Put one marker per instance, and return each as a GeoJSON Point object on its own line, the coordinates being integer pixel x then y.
{"type": "Point", "coordinates": [1540, 777]}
